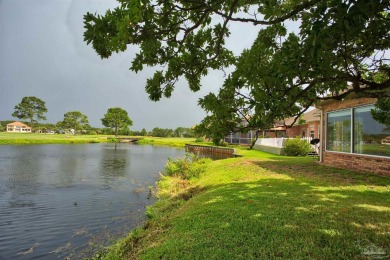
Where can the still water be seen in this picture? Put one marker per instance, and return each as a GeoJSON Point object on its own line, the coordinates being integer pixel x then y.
{"type": "Point", "coordinates": [61, 200]}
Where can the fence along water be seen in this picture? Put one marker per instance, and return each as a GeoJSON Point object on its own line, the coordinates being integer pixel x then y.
{"type": "Point", "coordinates": [212, 152]}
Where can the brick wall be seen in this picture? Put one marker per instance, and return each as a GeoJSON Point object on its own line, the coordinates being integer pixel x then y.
{"type": "Point", "coordinates": [373, 164]}
{"type": "Point", "coordinates": [358, 162]}
{"type": "Point", "coordinates": [295, 131]}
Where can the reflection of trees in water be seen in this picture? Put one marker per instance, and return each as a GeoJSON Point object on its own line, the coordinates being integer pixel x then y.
{"type": "Point", "coordinates": [68, 167]}
{"type": "Point", "coordinates": [114, 162]}
{"type": "Point", "coordinates": [23, 177]}
{"type": "Point", "coordinates": [113, 167]}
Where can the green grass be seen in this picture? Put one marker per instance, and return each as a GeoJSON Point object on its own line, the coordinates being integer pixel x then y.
{"type": "Point", "coordinates": [263, 206]}
{"type": "Point", "coordinates": [32, 138]}
{"type": "Point", "coordinates": [374, 149]}
{"type": "Point", "coordinates": [171, 141]}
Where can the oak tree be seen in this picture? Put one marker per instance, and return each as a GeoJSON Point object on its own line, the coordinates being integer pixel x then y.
{"type": "Point", "coordinates": [31, 108]}
{"type": "Point", "coordinates": [116, 118]}
{"type": "Point", "coordinates": [340, 50]}
{"type": "Point", "coordinates": [74, 120]}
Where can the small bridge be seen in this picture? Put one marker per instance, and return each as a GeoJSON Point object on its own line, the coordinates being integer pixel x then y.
{"type": "Point", "coordinates": [128, 139]}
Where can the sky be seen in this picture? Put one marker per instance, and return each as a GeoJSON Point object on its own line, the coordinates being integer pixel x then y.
{"type": "Point", "coordinates": [42, 54]}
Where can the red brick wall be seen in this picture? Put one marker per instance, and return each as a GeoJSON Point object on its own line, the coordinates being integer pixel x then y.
{"type": "Point", "coordinates": [358, 162]}
{"type": "Point", "coordinates": [295, 131]}
{"type": "Point", "coordinates": [373, 164]}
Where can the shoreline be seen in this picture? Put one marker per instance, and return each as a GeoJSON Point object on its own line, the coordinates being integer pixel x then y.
{"type": "Point", "coordinates": [258, 207]}
{"type": "Point", "coordinates": [32, 138]}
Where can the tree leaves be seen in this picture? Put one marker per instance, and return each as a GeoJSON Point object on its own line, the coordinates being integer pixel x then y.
{"type": "Point", "coordinates": [74, 120]}
{"type": "Point", "coordinates": [381, 111]}
{"type": "Point", "coordinates": [339, 43]}
{"type": "Point", "coordinates": [116, 118]}
{"type": "Point", "coordinates": [31, 108]}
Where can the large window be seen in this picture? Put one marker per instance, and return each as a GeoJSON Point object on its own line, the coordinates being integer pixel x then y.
{"type": "Point", "coordinates": [363, 136]}
{"type": "Point", "coordinates": [339, 131]}
{"type": "Point", "coordinates": [369, 134]}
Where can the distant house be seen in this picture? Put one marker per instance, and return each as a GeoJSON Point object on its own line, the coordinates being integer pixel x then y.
{"type": "Point", "coordinates": [351, 138]}
{"type": "Point", "coordinates": [386, 140]}
{"type": "Point", "coordinates": [309, 127]}
{"type": "Point", "coordinates": [18, 127]}
{"type": "Point", "coordinates": [50, 131]}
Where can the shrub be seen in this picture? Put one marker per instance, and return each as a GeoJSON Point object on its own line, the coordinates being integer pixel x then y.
{"type": "Point", "coordinates": [186, 167]}
{"type": "Point", "coordinates": [296, 147]}
{"type": "Point", "coordinates": [199, 140]}
{"type": "Point", "coordinates": [223, 143]}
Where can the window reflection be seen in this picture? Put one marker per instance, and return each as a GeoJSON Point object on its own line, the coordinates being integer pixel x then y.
{"type": "Point", "coordinates": [339, 131]}
{"type": "Point", "coordinates": [369, 135]}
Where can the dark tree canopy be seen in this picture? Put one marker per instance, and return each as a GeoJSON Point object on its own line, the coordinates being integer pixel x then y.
{"type": "Point", "coordinates": [381, 112]}
{"type": "Point", "coordinates": [116, 118]}
{"type": "Point", "coordinates": [74, 120]}
{"type": "Point", "coordinates": [162, 132]}
{"type": "Point", "coordinates": [31, 108]}
{"type": "Point", "coordinates": [341, 50]}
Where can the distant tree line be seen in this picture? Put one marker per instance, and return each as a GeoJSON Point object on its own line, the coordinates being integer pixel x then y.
{"type": "Point", "coordinates": [178, 132]}
{"type": "Point", "coordinates": [116, 121]}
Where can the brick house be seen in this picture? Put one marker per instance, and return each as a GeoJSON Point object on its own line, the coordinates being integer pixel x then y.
{"type": "Point", "coordinates": [351, 138]}
{"type": "Point", "coordinates": [309, 128]}
{"type": "Point", "coordinates": [18, 127]}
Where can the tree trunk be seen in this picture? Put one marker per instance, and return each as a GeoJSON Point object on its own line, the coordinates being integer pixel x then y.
{"type": "Point", "coordinates": [254, 141]}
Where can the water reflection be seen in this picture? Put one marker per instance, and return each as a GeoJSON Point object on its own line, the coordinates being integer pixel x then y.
{"type": "Point", "coordinates": [23, 175]}
{"type": "Point", "coordinates": [68, 166]}
{"type": "Point", "coordinates": [55, 198]}
{"type": "Point", "coordinates": [114, 161]}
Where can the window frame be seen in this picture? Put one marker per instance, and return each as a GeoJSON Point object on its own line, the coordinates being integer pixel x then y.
{"type": "Point", "coordinates": [352, 110]}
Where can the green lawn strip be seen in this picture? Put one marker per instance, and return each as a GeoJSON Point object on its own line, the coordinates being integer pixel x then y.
{"type": "Point", "coordinates": [374, 149]}
{"type": "Point", "coordinates": [32, 138]}
{"type": "Point", "coordinates": [171, 141]}
{"type": "Point", "coordinates": [266, 207]}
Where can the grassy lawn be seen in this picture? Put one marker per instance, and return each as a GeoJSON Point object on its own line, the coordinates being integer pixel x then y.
{"type": "Point", "coordinates": [259, 206]}
{"type": "Point", "coordinates": [263, 206]}
{"type": "Point", "coordinates": [32, 138]}
{"type": "Point", "coordinates": [377, 149]}
{"type": "Point", "coordinates": [172, 141]}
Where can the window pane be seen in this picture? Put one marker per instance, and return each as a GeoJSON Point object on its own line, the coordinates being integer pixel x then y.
{"type": "Point", "coordinates": [369, 135]}
{"type": "Point", "coordinates": [339, 131]}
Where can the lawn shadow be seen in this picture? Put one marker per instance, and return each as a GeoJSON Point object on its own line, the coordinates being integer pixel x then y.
{"type": "Point", "coordinates": [310, 167]}
{"type": "Point", "coordinates": [296, 210]}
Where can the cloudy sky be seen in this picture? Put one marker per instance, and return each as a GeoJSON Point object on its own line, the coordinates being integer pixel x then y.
{"type": "Point", "coordinates": [42, 54]}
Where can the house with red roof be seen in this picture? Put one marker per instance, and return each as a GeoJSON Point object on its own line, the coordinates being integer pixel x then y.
{"type": "Point", "coordinates": [308, 125]}
{"type": "Point", "coordinates": [18, 127]}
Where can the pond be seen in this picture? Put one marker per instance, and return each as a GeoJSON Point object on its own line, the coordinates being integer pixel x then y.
{"type": "Point", "coordinates": [60, 200]}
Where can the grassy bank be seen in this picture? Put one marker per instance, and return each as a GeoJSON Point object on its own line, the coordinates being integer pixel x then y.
{"type": "Point", "coordinates": [174, 142]}
{"type": "Point", "coordinates": [263, 206]}
{"type": "Point", "coordinates": [31, 138]}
